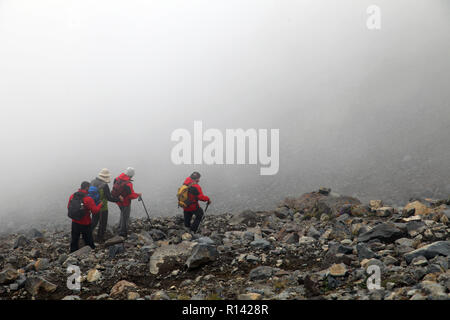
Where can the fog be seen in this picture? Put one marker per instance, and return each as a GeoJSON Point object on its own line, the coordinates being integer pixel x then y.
{"type": "Point", "coordinates": [91, 84]}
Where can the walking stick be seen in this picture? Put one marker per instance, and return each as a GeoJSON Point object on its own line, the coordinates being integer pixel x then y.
{"type": "Point", "coordinates": [203, 217]}
{"type": "Point", "coordinates": [140, 199]}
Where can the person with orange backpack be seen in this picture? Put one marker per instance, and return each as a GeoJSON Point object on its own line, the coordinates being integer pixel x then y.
{"type": "Point", "coordinates": [80, 207]}
{"type": "Point", "coordinates": [123, 187]}
{"type": "Point", "coordinates": [189, 194]}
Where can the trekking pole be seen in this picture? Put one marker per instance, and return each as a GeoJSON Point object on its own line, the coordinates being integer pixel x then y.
{"type": "Point", "coordinates": [203, 217]}
{"type": "Point", "coordinates": [140, 199]}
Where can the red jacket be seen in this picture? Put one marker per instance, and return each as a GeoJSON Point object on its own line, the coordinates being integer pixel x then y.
{"type": "Point", "coordinates": [89, 206]}
{"type": "Point", "coordinates": [129, 191]}
{"type": "Point", "coordinates": [195, 196]}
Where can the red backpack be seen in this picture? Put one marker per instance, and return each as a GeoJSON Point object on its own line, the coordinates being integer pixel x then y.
{"type": "Point", "coordinates": [119, 188]}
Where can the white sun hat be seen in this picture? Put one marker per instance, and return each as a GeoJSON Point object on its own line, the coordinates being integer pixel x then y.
{"type": "Point", "coordinates": [105, 175]}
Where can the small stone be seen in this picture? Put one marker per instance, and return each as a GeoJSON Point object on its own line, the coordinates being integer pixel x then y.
{"type": "Point", "coordinates": [71, 298]}
{"type": "Point", "coordinates": [133, 295]}
{"type": "Point", "coordinates": [41, 264]}
{"type": "Point", "coordinates": [306, 240]}
{"type": "Point", "coordinates": [93, 275]}
{"type": "Point", "coordinates": [338, 270]}
{"type": "Point", "coordinates": [249, 296]}
{"type": "Point", "coordinates": [159, 295]}
{"type": "Point", "coordinates": [186, 237]}
{"type": "Point", "coordinates": [375, 204]}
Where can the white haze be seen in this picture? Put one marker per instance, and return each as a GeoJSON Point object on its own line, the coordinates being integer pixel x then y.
{"type": "Point", "coordinates": [92, 84]}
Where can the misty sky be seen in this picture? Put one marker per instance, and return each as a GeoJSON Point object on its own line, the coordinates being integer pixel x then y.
{"type": "Point", "coordinates": [92, 84]}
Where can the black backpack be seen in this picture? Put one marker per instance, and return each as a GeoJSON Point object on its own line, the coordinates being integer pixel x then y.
{"type": "Point", "coordinates": [76, 207]}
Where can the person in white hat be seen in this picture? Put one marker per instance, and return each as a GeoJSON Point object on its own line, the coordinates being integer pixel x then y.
{"type": "Point", "coordinates": [101, 219]}
{"type": "Point", "coordinates": [123, 186]}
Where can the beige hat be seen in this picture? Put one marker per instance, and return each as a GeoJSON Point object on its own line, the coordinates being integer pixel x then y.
{"type": "Point", "coordinates": [104, 175]}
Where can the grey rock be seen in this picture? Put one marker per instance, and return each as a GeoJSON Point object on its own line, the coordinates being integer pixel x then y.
{"type": "Point", "coordinates": [261, 273]}
{"type": "Point", "coordinates": [115, 250]}
{"type": "Point", "coordinates": [313, 233]}
{"type": "Point", "coordinates": [80, 253]}
{"type": "Point", "coordinates": [430, 251]}
{"type": "Point", "coordinates": [205, 240]}
{"type": "Point", "coordinates": [415, 227]}
{"type": "Point", "coordinates": [7, 276]}
{"type": "Point", "coordinates": [364, 252]}
{"type": "Point", "coordinates": [202, 254]}
{"type": "Point", "coordinates": [385, 232]}
{"type": "Point", "coordinates": [246, 217]}
{"type": "Point", "coordinates": [20, 242]}
{"type": "Point", "coordinates": [114, 240]}
{"type": "Point", "coordinates": [291, 238]}
{"type": "Point", "coordinates": [157, 234]}
{"type": "Point", "coordinates": [261, 243]}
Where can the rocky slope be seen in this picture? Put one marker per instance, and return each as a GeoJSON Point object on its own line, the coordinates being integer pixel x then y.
{"type": "Point", "coordinates": [318, 246]}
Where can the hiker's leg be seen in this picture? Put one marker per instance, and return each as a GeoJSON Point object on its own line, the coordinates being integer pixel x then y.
{"type": "Point", "coordinates": [102, 225]}
{"type": "Point", "coordinates": [75, 237]}
{"type": "Point", "coordinates": [187, 219]}
{"type": "Point", "coordinates": [87, 236]}
{"type": "Point", "coordinates": [124, 219]}
{"type": "Point", "coordinates": [198, 218]}
{"type": "Point", "coordinates": [94, 221]}
{"type": "Point", "coordinates": [121, 218]}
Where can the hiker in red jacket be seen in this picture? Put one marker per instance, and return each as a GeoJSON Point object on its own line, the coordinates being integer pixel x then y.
{"type": "Point", "coordinates": [193, 209]}
{"type": "Point", "coordinates": [83, 226]}
{"type": "Point", "coordinates": [124, 187]}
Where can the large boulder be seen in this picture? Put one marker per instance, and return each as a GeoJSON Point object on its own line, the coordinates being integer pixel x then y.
{"type": "Point", "coordinates": [384, 232]}
{"type": "Point", "coordinates": [419, 207]}
{"type": "Point", "coordinates": [20, 242]}
{"type": "Point", "coordinates": [169, 257]}
{"type": "Point", "coordinates": [34, 285]}
{"type": "Point", "coordinates": [8, 276]}
{"type": "Point", "coordinates": [114, 240]}
{"type": "Point", "coordinates": [81, 253]}
{"type": "Point", "coordinates": [430, 251]}
{"type": "Point", "coordinates": [202, 254]}
{"type": "Point", "coordinates": [246, 217]}
{"type": "Point", "coordinates": [318, 203]}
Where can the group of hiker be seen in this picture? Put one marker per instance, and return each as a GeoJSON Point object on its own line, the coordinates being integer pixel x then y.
{"type": "Point", "coordinates": [92, 199]}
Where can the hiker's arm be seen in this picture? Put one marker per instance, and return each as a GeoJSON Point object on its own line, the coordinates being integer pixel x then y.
{"type": "Point", "coordinates": [90, 205]}
{"type": "Point", "coordinates": [131, 194]}
{"type": "Point", "coordinates": [108, 194]}
{"type": "Point", "coordinates": [201, 196]}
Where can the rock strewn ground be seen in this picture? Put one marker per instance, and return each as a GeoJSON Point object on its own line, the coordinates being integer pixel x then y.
{"type": "Point", "coordinates": [318, 246]}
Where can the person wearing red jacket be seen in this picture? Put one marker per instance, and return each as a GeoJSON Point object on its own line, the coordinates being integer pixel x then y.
{"type": "Point", "coordinates": [124, 188]}
{"type": "Point", "coordinates": [83, 226]}
{"type": "Point", "coordinates": [195, 194]}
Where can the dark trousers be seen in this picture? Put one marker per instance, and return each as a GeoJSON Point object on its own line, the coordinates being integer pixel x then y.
{"type": "Point", "coordinates": [124, 221]}
{"type": "Point", "coordinates": [198, 218]}
{"type": "Point", "coordinates": [100, 219]}
{"type": "Point", "coordinates": [85, 231]}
